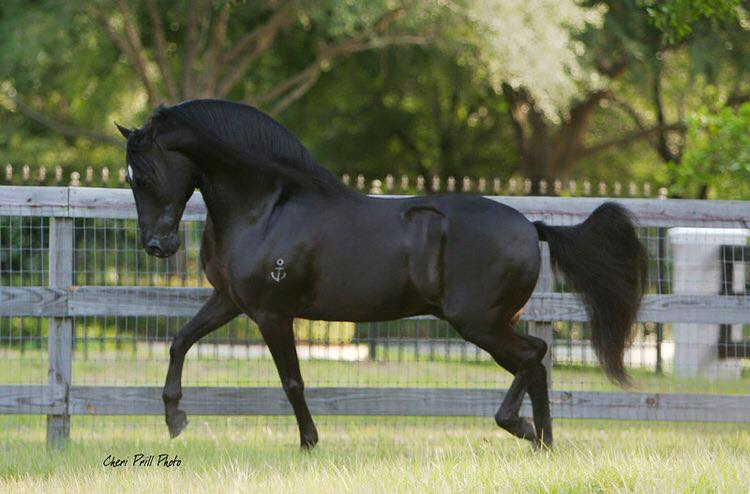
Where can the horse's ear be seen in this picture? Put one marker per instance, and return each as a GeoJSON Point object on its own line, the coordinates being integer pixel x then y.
{"type": "Point", "coordinates": [125, 132]}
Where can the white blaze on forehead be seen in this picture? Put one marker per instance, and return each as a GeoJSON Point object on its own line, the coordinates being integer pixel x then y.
{"type": "Point", "coordinates": [130, 172]}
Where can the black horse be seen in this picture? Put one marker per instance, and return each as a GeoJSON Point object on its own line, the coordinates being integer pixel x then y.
{"type": "Point", "coordinates": [284, 238]}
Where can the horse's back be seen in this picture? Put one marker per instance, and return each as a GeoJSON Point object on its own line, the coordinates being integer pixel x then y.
{"type": "Point", "coordinates": [451, 253]}
{"type": "Point", "coordinates": [482, 232]}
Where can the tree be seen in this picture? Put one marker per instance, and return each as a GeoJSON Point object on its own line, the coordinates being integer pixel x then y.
{"type": "Point", "coordinates": [717, 157]}
{"type": "Point", "coordinates": [611, 95]}
{"type": "Point", "coordinates": [416, 110]}
{"type": "Point", "coordinates": [222, 42]}
{"type": "Point", "coordinates": [141, 54]}
{"type": "Point", "coordinates": [542, 88]}
{"type": "Point", "coordinates": [677, 19]}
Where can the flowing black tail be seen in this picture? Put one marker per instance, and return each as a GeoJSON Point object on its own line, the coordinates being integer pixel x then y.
{"type": "Point", "coordinates": [603, 259]}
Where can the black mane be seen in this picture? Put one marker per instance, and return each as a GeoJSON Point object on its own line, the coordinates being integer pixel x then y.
{"type": "Point", "coordinates": [240, 135]}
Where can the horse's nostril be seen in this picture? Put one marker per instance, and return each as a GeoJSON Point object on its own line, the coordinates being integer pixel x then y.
{"type": "Point", "coordinates": [154, 247]}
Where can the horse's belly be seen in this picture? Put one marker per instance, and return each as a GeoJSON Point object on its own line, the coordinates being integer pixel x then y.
{"type": "Point", "coordinates": [355, 289]}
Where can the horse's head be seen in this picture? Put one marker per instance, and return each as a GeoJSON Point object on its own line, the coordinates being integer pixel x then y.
{"type": "Point", "coordinates": [162, 180]}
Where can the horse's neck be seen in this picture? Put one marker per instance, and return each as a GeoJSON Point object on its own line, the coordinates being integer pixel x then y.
{"type": "Point", "coordinates": [231, 198]}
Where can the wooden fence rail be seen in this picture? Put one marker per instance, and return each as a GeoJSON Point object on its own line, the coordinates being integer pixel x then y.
{"type": "Point", "coordinates": [96, 202]}
{"type": "Point", "coordinates": [339, 401]}
{"type": "Point", "coordinates": [61, 302]}
{"type": "Point", "coordinates": [77, 301]}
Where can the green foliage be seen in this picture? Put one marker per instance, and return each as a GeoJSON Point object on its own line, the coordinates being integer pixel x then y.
{"type": "Point", "coordinates": [434, 108]}
{"type": "Point", "coordinates": [717, 155]}
{"type": "Point", "coordinates": [407, 111]}
{"type": "Point", "coordinates": [678, 18]}
{"type": "Point", "coordinates": [53, 57]}
{"type": "Point", "coordinates": [328, 333]}
{"type": "Point", "coordinates": [23, 243]}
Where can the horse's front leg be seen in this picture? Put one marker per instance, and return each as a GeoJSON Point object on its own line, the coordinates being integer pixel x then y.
{"type": "Point", "coordinates": [216, 312]}
{"type": "Point", "coordinates": [279, 336]}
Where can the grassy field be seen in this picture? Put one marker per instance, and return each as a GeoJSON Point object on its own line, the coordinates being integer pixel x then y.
{"type": "Point", "coordinates": [378, 455]}
{"type": "Point", "coordinates": [360, 454]}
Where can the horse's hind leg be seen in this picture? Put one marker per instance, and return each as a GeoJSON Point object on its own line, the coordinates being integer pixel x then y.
{"type": "Point", "coordinates": [531, 377]}
{"type": "Point", "coordinates": [279, 336]}
{"type": "Point", "coordinates": [216, 312]}
{"type": "Point", "coordinates": [522, 356]}
{"type": "Point", "coordinates": [507, 415]}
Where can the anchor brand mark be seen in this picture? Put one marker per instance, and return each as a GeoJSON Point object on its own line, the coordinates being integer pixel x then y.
{"type": "Point", "coordinates": [278, 272]}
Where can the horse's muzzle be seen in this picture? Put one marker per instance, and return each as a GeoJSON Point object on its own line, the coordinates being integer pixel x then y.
{"type": "Point", "coordinates": [162, 248]}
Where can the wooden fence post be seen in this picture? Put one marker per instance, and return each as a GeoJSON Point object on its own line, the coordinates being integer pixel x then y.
{"type": "Point", "coordinates": [60, 329]}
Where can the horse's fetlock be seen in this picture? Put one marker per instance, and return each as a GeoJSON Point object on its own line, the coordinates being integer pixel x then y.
{"type": "Point", "coordinates": [505, 422]}
{"type": "Point", "coordinates": [171, 395]}
{"type": "Point", "coordinates": [506, 419]}
{"type": "Point", "coordinates": [293, 386]}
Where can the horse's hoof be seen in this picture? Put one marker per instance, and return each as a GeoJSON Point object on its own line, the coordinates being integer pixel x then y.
{"type": "Point", "coordinates": [309, 442]}
{"type": "Point", "coordinates": [521, 427]}
{"type": "Point", "coordinates": [176, 422]}
{"type": "Point", "coordinates": [543, 445]}
{"type": "Point", "coordinates": [526, 428]}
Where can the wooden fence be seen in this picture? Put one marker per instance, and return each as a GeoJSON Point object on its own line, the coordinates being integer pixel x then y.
{"type": "Point", "coordinates": [388, 184]}
{"type": "Point", "coordinates": [61, 302]}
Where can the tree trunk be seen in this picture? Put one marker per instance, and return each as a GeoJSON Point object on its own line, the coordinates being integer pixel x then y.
{"type": "Point", "coordinates": [548, 151]}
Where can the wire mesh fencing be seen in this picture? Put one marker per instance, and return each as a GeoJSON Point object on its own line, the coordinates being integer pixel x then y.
{"type": "Point", "coordinates": [688, 357]}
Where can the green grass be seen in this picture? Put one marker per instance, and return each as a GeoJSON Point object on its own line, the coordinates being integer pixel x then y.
{"type": "Point", "coordinates": [378, 455]}
{"type": "Point", "coordinates": [365, 454]}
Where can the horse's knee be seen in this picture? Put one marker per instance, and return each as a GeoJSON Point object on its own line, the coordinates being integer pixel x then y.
{"type": "Point", "coordinates": [293, 387]}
